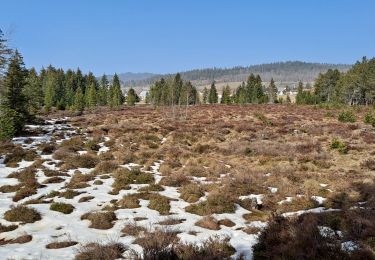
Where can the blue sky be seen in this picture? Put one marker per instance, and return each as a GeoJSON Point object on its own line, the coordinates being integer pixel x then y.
{"type": "Point", "coordinates": [169, 36]}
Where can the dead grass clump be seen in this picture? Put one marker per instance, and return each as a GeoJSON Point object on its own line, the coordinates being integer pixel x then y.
{"type": "Point", "coordinates": [133, 230]}
{"type": "Point", "coordinates": [47, 148]}
{"type": "Point", "coordinates": [294, 238]}
{"type": "Point", "coordinates": [105, 167]}
{"type": "Point", "coordinates": [19, 240]}
{"type": "Point", "coordinates": [69, 194]}
{"type": "Point", "coordinates": [208, 222]}
{"type": "Point", "coordinates": [74, 144]}
{"type": "Point", "coordinates": [17, 154]}
{"type": "Point", "coordinates": [212, 248]}
{"type": "Point", "coordinates": [62, 244]}
{"type": "Point", "coordinates": [175, 180]}
{"type": "Point", "coordinates": [226, 222]}
{"type": "Point", "coordinates": [79, 180]}
{"type": "Point", "coordinates": [82, 161]}
{"type": "Point", "coordinates": [159, 244]}
{"type": "Point", "coordinates": [100, 220]}
{"type": "Point", "coordinates": [369, 164]}
{"type": "Point", "coordinates": [152, 188]}
{"type": "Point", "coordinates": [10, 188]}
{"type": "Point", "coordinates": [22, 214]}
{"type": "Point", "coordinates": [7, 228]}
{"type": "Point", "coordinates": [85, 199]}
{"type": "Point", "coordinates": [23, 193]}
{"type": "Point", "coordinates": [171, 221]}
{"type": "Point", "coordinates": [55, 179]}
{"type": "Point", "coordinates": [257, 215]}
{"type": "Point", "coordinates": [53, 173]}
{"type": "Point", "coordinates": [191, 192]}
{"type": "Point", "coordinates": [129, 202]}
{"type": "Point", "coordinates": [298, 203]}
{"type": "Point", "coordinates": [216, 203]}
{"type": "Point", "coordinates": [159, 203]}
{"type": "Point", "coordinates": [96, 251]}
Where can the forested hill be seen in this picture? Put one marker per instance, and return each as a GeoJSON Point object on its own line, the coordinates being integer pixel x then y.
{"type": "Point", "coordinates": [290, 71]}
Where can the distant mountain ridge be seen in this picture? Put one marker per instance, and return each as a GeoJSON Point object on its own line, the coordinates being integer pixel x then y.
{"type": "Point", "coordinates": [289, 71]}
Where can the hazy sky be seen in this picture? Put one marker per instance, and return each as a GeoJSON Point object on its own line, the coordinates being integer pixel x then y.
{"type": "Point", "coordinates": [168, 36]}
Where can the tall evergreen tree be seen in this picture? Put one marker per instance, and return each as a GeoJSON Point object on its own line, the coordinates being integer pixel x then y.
{"type": "Point", "coordinates": [205, 95]}
{"type": "Point", "coordinates": [91, 96]}
{"type": "Point", "coordinates": [213, 97]}
{"type": "Point", "coordinates": [49, 93]}
{"type": "Point", "coordinates": [272, 92]}
{"type": "Point", "coordinates": [79, 100]}
{"type": "Point", "coordinates": [103, 91]}
{"type": "Point", "coordinates": [116, 96]}
{"type": "Point", "coordinates": [14, 83]}
{"type": "Point", "coordinates": [225, 97]}
{"type": "Point", "coordinates": [132, 97]}
{"type": "Point", "coordinates": [33, 92]}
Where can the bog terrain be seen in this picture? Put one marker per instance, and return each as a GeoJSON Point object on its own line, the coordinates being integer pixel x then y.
{"type": "Point", "coordinates": [215, 181]}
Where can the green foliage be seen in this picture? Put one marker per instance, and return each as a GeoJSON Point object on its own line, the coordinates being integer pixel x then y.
{"type": "Point", "coordinates": [173, 91]}
{"type": "Point", "coordinates": [347, 117]}
{"type": "Point", "coordinates": [272, 92]}
{"type": "Point", "coordinates": [304, 97]}
{"type": "Point", "coordinates": [212, 96]}
{"type": "Point", "coordinates": [339, 146]}
{"type": "Point", "coordinates": [116, 98]}
{"type": "Point", "coordinates": [10, 123]}
{"type": "Point", "coordinates": [369, 119]}
{"type": "Point", "coordinates": [205, 95]}
{"type": "Point", "coordinates": [79, 101]}
{"type": "Point", "coordinates": [91, 96]}
{"type": "Point", "coordinates": [132, 97]}
{"type": "Point", "coordinates": [225, 97]}
{"type": "Point", "coordinates": [62, 207]}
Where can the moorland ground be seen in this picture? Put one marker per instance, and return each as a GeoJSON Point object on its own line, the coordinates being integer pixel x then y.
{"type": "Point", "coordinates": [155, 177]}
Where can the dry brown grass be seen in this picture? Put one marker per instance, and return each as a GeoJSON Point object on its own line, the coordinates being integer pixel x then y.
{"type": "Point", "coordinates": [208, 223]}
{"type": "Point", "coordinates": [61, 244]}
{"type": "Point", "coordinates": [100, 220]}
{"type": "Point", "coordinates": [22, 214]}
{"type": "Point", "coordinates": [97, 251]}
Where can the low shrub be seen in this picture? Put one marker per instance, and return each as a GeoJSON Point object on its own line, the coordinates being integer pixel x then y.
{"type": "Point", "coordinates": [159, 203]}
{"type": "Point", "coordinates": [216, 203]}
{"type": "Point", "coordinates": [191, 192]}
{"type": "Point", "coordinates": [340, 146]}
{"type": "Point", "coordinates": [22, 214]}
{"type": "Point", "coordinates": [97, 251]}
{"type": "Point", "coordinates": [208, 223]}
{"type": "Point", "coordinates": [347, 117]}
{"type": "Point", "coordinates": [62, 207]}
{"type": "Point", "coordinates": [100, 220]}
{"type": "Point", "coordinates": [129, 202]}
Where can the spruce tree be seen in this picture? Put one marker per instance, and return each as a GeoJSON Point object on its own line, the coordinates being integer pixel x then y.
{"type": "Point", "coordinates": [33, 92]}
{"type": "Point", "coordinates": [212, 97]}
{"type": "Point", "coordinates": [225, 97]}
{"type": "Point", "coordinates": [205, 95]}
{"type": "Point", "coordinates": [103, 91]}
{"type": "Point", "coordinates": [116, 96]}
{"type": "Point", "coordinates": [49, 92]}
{"type": "Point", "coordinates": [272, 92]}
{"type": "Point", "coordinates": [91, 96]}
{"type": "Point", "coordinates": [132, 97]}
{"type": "Point", "coordinates": [79, 101]}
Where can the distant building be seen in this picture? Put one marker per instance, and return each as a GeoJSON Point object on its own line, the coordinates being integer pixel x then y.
{"type": "Point", "coordinates": [142, 95]}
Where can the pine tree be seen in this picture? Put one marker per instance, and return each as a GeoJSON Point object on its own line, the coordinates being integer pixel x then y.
{"type": "Point", "coordinates": [212, 97]}
{"type": "Point", "coordinates": [272, 92]}
{"type": "Point", "coordinates": [49, 93]}
{"type": "Point", "coordinates": [300, 96]}
{"type": "Point", "coordinates": [91, 96]}
{"type": "Point", "coordinates": [225, 97]}
{"type": "Point", "coordinates": [116, 96]}
{"type": "Point", "coordinates": [79, 101]}
{"type": "Point", "coordinates": [132, 97]}
{"type": "Point", "coordinates": [4, 53]}
{"type": "Point", "coordinates": [14, 83]}
{"type": "Point", "coordinates": [205, 95]}
{"type": "Point", "coordinates": [33, 92]}
{"type": "Point", "coordinates": [103, 91]}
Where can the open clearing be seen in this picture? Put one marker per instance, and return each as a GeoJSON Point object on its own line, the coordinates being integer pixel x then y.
{"type": "Point", "coordinates": [222, 172]}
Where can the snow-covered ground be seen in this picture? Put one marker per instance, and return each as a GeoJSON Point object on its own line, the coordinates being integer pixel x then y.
{"type": "Point", "coordinates": [55, 226]}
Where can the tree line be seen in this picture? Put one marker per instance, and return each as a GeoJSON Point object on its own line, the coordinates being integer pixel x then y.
{"type": "Point", "coordinates": [24, 93]}
{"type": "Point", "coordinates": [354, 87]}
